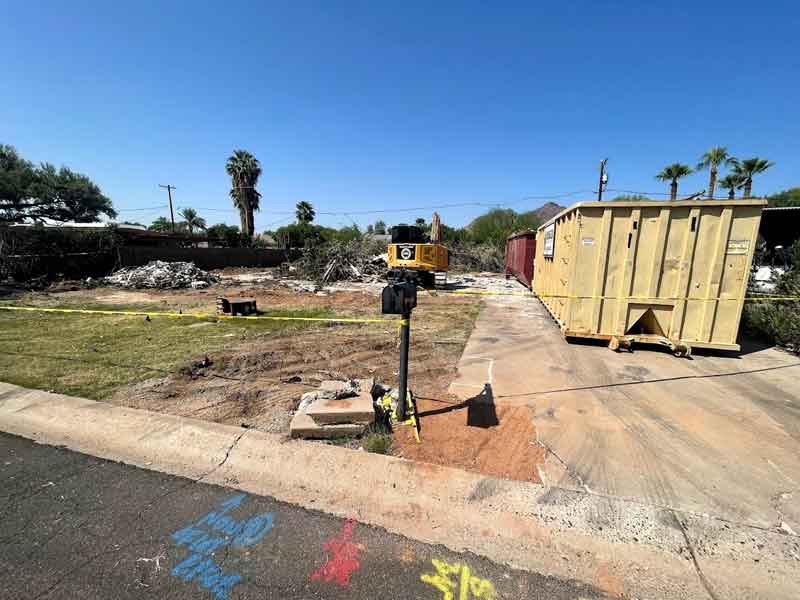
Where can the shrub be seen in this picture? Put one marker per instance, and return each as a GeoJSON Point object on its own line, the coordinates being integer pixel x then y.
{"type": "Point", "coordinates": [477, 257]}
{"type": "Point", "coordinates": [777, 321]}
{"type": "Point", "coordinates": [377, 439]}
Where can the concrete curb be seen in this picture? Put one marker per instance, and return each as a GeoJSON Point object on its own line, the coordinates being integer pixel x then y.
{"type": "Point", "coordinates": [619, 546]}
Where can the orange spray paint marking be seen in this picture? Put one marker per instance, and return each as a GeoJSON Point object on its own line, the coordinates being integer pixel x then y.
{"type": "Point", "coordinates": [343, 560]}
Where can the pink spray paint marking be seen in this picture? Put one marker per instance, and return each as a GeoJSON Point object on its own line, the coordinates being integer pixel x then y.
{"type": "Point", "coordinates": [343, 559]}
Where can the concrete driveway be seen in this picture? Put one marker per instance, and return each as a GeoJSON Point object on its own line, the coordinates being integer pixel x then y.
{"type": "Point", "coordinates": [715, 435]}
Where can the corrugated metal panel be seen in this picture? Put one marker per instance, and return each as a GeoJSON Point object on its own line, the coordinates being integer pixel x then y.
{"type": "Point", "coordinates": [520, 253]}
{"type": "Point", "coordinates": [651, 271]}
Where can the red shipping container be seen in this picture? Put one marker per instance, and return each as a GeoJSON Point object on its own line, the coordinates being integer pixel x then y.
{"type": "Point", "coordinates": [520, 252]}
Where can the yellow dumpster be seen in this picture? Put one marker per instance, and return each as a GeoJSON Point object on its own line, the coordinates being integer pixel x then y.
{"type": "Point", "coordinates": [671, 273]}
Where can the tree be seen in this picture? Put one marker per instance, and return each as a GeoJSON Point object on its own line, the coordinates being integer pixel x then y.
{"type": "Point", "coordinates": [244, 170]}
{"type": "Point", "coordinates": [32, 193]}
{"type": "Point", "coordinates": [305, 212]}
{"type": "Point", "coordinates": [712, 160]}
{"type": "Point", "coordinates": [299, 235]}
{"type": "Point", "coordinates": [192, 220]}
{"type": "Point", "coordinates": [672, 173]}
{"type": "Point", "coordinates": [379, 228]}
{"type": "Point", "coordinates": [790, 197]}
{"type": "Point", "coordinates": [730, 182]}
{"type": "Point", "coordinates": [226, 235]}
{"type": "Point", "coordinates": [497, 224]}
{"type": "Point", "coordinates": [420, 222]}
{"type": "Point", "coordinates": [161, 224]}
{"type": "Point", "coordinates": [348, 233]}
{"type": "Point", "coordinates": [746, 169]}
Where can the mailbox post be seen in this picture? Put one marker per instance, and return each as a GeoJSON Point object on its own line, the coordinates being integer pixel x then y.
{"type": "Point", "coordinates": [400, 299]}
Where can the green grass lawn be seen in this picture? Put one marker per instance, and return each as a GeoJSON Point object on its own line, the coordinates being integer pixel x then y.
{"type": "Point", "coordinates": [93, 355]}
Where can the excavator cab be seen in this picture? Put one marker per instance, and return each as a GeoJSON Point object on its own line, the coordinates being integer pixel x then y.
{"type": "Point", "coordinates": [415, 255]}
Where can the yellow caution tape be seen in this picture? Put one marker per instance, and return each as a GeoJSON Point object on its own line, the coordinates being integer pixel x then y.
{"type": "Point", "coordinates": [400, 322]}
{"type": "Point", "coordinates": [478, 293]}
{"type": "Point", "coordinates": [635, 298]}
{"type": "Point", "coordinates": [675, 299]}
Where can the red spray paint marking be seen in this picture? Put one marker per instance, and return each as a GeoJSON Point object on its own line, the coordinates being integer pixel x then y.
{"type": "Point", "coordinates": [343, 560]}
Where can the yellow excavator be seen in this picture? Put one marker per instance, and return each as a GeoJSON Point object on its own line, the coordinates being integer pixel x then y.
{"type": "Point", "coordinates": [413, 255]}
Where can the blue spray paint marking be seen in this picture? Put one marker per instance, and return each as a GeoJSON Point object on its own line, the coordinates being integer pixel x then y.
{"type": "Point", "coordinates": [210, 533]}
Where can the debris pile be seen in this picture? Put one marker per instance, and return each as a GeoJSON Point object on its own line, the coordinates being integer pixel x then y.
{"type": "Point", "coordinates": [345, 261]}
{"type": "Point", "coordinates": [163, 275]}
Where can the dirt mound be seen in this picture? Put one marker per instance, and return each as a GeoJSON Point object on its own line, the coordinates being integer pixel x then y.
{"type": "Point", "coordinates": [456, 434]}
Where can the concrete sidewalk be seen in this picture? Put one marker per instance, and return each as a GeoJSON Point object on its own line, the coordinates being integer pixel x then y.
{"type": "Point", "coordinates": [619, 546]}
{"type": "Point", "coordinates": [717, 434]}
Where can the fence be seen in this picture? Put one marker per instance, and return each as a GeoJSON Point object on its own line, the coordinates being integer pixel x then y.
{"type": "Point", "coordinates": [205, 258]}
{"type": "Point", "coordinates": [53, 264]}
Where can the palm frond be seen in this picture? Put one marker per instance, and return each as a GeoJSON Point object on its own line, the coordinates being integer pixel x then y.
{"type": "Point", "coordinates": [674, 172]}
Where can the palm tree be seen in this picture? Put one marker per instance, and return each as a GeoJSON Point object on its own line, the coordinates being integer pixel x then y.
{"type": "Point", "coordinates": [244, 170]}
{"type": "Point", "coordinates": [672, 173]}
{"type": "Point", "coordinates": [730, 182]}
{"type": "Point", "coordinates": [712, 160]}
{"type": "Point", "coordinates": [192, 220]}
{"type": "Point", "coordinates": [305, 212]}
{"type": "Point", "coordinates": [746, 169]}
{"type": "Point", "coordinates": [161, 224]}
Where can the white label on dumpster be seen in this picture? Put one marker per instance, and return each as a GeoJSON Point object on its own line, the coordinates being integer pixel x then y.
{"type": "Point", "coordinates": [587, 241]}
{"type": "Point", "coordinates": [549, 240]}
{"type": "Point", "coordinates": [738, 246]}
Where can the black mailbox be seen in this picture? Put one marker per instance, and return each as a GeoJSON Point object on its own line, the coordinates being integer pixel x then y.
{"type": "Point", "coordinates": [398, 298]}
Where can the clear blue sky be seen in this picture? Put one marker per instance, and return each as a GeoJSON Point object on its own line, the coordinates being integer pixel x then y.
{"type": "Point", "coordinates": [383, 105]}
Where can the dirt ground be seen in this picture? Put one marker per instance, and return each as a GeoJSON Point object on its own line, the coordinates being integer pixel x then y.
{"type": "Point", "coordinates": [258, 383]}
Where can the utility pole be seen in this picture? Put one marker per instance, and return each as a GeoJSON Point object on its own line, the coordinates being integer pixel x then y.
{"type": "Point", "coordinates": [603, 179]}
{"type": "Point", "coordinates": [169, 189]}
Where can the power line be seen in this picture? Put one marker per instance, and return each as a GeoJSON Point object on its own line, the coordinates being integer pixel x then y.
{"type": "Point", "coordinates": [277, 222]}
{"type": "Point", "coordinates": [141, 209]}
{"type": "Point", "coordinates": [348, 214]}
{"type": "Point", "coordinates": [637, 192]}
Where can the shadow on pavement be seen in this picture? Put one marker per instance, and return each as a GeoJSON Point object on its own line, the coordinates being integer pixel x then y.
{"type": "Point", "coordinates": [480, 409]}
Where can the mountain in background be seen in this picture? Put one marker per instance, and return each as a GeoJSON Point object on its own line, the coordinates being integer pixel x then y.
{"type": "Point", "coordinates": [497, 224]}
{"type": "Point", "coordinates": [546, 211]}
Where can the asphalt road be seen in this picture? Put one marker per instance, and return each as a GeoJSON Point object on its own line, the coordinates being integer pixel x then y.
{"type": "Point", "coordinates": [75, 526]}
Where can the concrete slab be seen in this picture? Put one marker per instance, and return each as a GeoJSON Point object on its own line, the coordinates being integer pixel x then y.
{"type": "Point", "coordinates": [303, 426]}
{"type": "Point", "coordinates": [718, 434]}
{"type": "Point", "coordinates": [355, 409]}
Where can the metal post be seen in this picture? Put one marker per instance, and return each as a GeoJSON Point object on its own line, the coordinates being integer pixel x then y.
{"type": "Point", "coordinates": [405, 338]}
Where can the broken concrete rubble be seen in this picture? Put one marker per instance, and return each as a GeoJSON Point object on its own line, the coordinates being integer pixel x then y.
{"type": "Point", "coordinates": [337, 408]}
{"type": "Point", "coordinates": [304, 426]}
{"type": "Point", "coordinates": [163, 275]}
